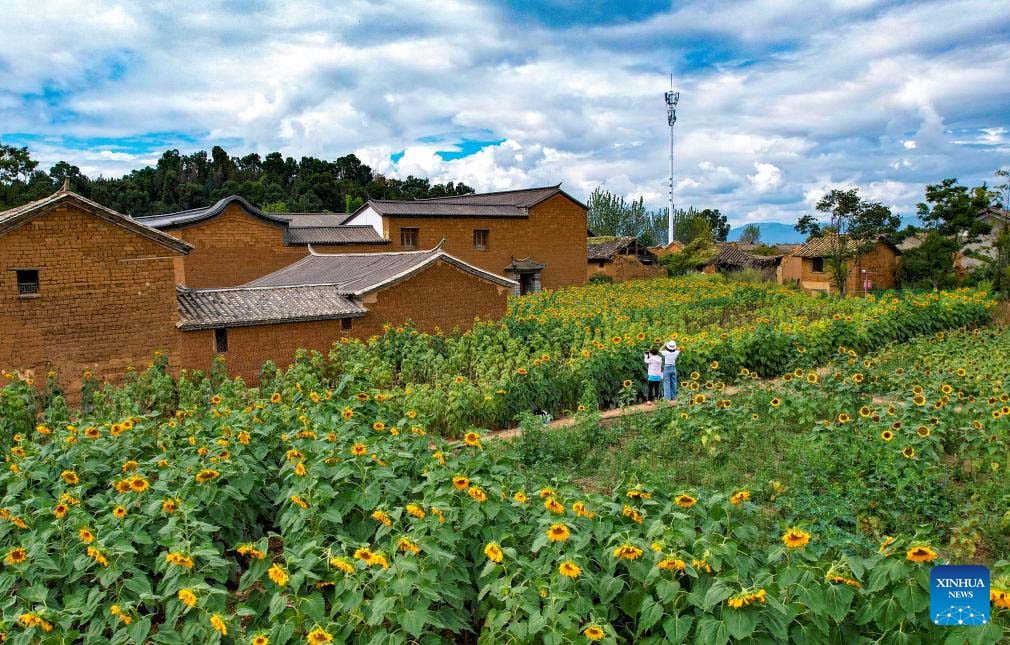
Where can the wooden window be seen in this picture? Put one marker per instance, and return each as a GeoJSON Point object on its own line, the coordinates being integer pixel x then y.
{"type": "Point", "coordinates": [221, 340]}
{"type": "Point", "coordinates": [346, 323]}
{"type": "Point", "coordinates": [28, 282]}
{"type": "Point", "coordinates": [480, 237]}
{"type": "Point", "coordinates": [818, 265]}
{"type": "Point", "coordinates": [408, 238]}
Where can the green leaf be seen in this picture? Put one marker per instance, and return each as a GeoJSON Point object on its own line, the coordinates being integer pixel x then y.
{"type": "Point", "coordinates": [677, 628]}
{"type": "Point", "coordinates": [414, 620]}
{"type": "Point", "coordinates": [715, 595]}
{"type": "Point", "coordinates": [380, 605]}
{"type": "Point", "coordinates": [609, 588]}
{"type": "Point", "coordinates": [711, 632]}
{"type": "Point", "coordinates": [740, 622]}
{"type": "Point", "coordinates": [314, 607]}
{"type": "Point", "coordinates": [649, 615]}
{"type": "Point", "coordinates": [139, 629]}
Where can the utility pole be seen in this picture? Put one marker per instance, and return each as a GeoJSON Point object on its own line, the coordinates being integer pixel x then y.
{"type": "Point", "coordinates": [671, 118]}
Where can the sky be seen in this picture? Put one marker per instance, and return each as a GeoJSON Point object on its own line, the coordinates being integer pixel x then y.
{"type": "Point", "coordinates": [780, 101]}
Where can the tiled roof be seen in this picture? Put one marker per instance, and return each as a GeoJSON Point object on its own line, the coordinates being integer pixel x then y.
{"type": "Point", "coordinates": [14, 217]}
{"type": "Point", "coordinates": [242, 306]}
{"type": "Point", "coordinates": [194, 215]}
{"type": "Point", "coordinates": [525, 264]}
{"type": "Point", "coordinates": [604, 248]}
{"type": "Point", "coordinates": [357, 274]}
{"type": "Point", "coordinates": [731, 256]}
{"type": "Point", "coordinates": [507, 203]}
{"type": "Point", "coordinates": [351, 234]}
{"type": "Point", "coordinates": [823, 246]}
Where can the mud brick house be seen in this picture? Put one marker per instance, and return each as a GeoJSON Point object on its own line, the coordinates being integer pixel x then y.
{"type": "Point", "coordinates": [731, 257]}
{"type": "Point", "coordinates": [621, 258]}
{"type": "Point", "coordinates": [322, 297]}
{"type": "Point", "coordinates": [234, 242]}
{"type": "Point", "coordinates": [536, 236]}
{"type": "Point", "coordinates": [84, 287]}
{"type": "Point", "coordinates": [808, 266]}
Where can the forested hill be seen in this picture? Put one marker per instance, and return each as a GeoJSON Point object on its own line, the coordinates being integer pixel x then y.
{"type": "Point", "coordinates": [179, 182]}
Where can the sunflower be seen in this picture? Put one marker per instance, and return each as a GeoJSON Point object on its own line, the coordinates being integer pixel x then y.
{"type": "Point", "coordinates": [776, 402]}
{"type": "Point", "coordinates": [594, 632]}
{"type": "Point", "coordinates": [119, 512]}
{"type": "Point", "coordinates": [298, 501]}
{"type": "Point", "coordinates": [97, 556]}
{"type": "Point", "coordinates": [812, 377]}
{"type": "Point", "coordinates": [627, 552]}
{"type": "Point", "coordinates": [908, 452]}
{"type": "Point", "coordinates": [843, 418]}
{"type": "Point", "coordinates": [922, 431]}
{"type": "Point", "coordinates": [260, 640]}
{"type": "Point", "coordinates": [919, 400]}
{"type": "Point", "coordinates": [138, 484]}
{"type": "Point", "coordinates": [318, 636]}
{"type": "Point", "coordinates": [17, 555]}
{"type": "Point", "coordinates": [493, 552]}
{"type": "Point", "coordinates": [217, 622]}
{"type": "Point", "coordinates": [359, 450]}
{"type": "Point", "coordinates": [865, 411]}
{"type": "Point", "coordinates": [887, 435]}
{"type": "Point", "coordinates": [70, 477]}
{"type": "Point", "coordinates": [477, 494]}
{"type": "Point", "coordinates": [558, 532]}
{"type": "Point", "coordinates": [361, 396]}
{"type": "Point", "coordinates": [472, 439]}
{"type": "Point", "coordinates": [554, 506]}
{"type": "Point", "coordinates": [627, 384]}
{"type": "Point", "coordinates": [739, 497]}
{"type": "Point", "coordinates": [522, 371]}
{"type": "Point", "coordinates": [415, 510]}
{"type": "Point", "coordinates": [795, 538]}
{"type": "Point", "coordinates": [86, 535]}
{"type": "Point", "coordinates": [684, 501]}
{"type": "Point", "coordinates": [179, 559]}
{"type": "Point", "coordinates": [382, 517]}
{"type": "Point", "coordinates": [460, 483]}
{"type": "Point", "coordinates": [206, 475]}
{"type": "Point", "coordinates": [364, 554]}
{"type": "Point", "coordinates": [921, 554]}
{"type": "Point", "coordinates": [342, 565]}
{"type": "Point", "coordinates": [569, 569]}
{"type": "Point", "coordinates": [187, 597]}
{"type": "Point", "coordinates": [671, 564]}
{"type": "Point", "coordinates": [520, 497]}
{"type": "Point", "coordinates": [91, 432]}
{"type": "Point", "coordinates": [278, 575]}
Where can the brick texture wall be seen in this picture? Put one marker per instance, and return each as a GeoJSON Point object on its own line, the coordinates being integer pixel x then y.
{"type": "Point", "coordinates": [625, 267]}
{"type": "Point", "coordinates": [554, 234]}
{"type": "Point", "coordinates": [441, 296]}
{"type": "Point", "coordinates": [236, 247]}
{"type": "Point", "coordinates": [881, 264]}
{"type": "Point", "coordinates": [106, 298]}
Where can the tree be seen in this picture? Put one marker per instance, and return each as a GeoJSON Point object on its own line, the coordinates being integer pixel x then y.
{"type": "Point", "coordinates": [15, 164]}
{"type": "Point", "coordinates": [953, 210]}
{"type": "Point", "coordinates": [751, 234]}
{"type": "Point", "coordinates": [853, 229]}
{"type": "Point", "coordinates": [716, 223]}
{"type": "Point", "coordinates": [611, 215]}
{"type": "Point", "coordinates": [1003, 190]}
{"type": "Point", "coordinates": [931, 263]}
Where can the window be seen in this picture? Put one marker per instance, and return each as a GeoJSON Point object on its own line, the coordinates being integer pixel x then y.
{"type": "Point", "coordinates": [408, 238]}
{"type": "Point", "coordinates": [345, 324]}
{"type": "Point", "coordinates": [28, 282]}
{"type": "Point", "coordinates": [480, 239]}
{"type": "Point", "coordinates": [818, 265]}
{"type": "Point", "coordinates": [221, 340]}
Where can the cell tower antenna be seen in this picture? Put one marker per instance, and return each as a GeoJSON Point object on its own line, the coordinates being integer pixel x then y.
{"type": "Point", "coordinates": [672, 98]}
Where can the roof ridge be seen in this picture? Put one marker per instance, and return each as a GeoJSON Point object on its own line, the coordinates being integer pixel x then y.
{"type": "Point", "coordinates": [475, 194]}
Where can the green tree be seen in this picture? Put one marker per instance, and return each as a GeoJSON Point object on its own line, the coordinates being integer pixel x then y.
{"type": "Point", "coordinates": [931, 264]}
{"type": "Point", "coordinates": [716, 222]}
{"type": "Point", "coordinates": [750, 234]}
{"type": "Point", "coordinates": [16, 164]}
{"type": "Point", "coordinates": [611, 214]}
{"type": "Point", "coordinates": [853, 229]}
{"type": "Point", "coordinates": [953, 210]}
{"type": "Point", "coordinates": [1003, 190]}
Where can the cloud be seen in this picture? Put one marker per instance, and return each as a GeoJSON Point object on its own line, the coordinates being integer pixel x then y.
{"type": "Point", "coordinates": [780, 101]}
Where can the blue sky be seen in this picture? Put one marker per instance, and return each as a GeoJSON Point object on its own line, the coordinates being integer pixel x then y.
{"type": "Point", "coordinates": [780, 100]}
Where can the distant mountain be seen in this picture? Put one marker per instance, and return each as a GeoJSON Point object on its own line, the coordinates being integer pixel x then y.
{"type": "Point", "coordinates": [779, 233]}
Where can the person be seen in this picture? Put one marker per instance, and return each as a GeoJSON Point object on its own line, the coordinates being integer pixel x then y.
{"type": "Point", "coordinates": [670, 353]}
{"type": "Point", "coordinates": [654, 365]}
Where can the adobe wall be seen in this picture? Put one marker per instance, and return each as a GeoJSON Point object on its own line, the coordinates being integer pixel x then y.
{"type": "Point", "coordinates": [106, 298]}
{"type": "Point", "coordinates": [554, 234]}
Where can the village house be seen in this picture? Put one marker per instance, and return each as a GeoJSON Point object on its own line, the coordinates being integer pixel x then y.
{"type": "Point", "coordinates": [621, 258]}
{"type": "Point", "coordinates": [87, 288]}
{"type": "Point", "coordinates": [234, 242]}
{"type": "Point", "coordinates": [663, 250]}
{"type": "Point", "coordinates": [730, 257]}
{"type": "Point", "coordinates": [535, 236]}
{"type": "Point", "coordinates": [808, 266]}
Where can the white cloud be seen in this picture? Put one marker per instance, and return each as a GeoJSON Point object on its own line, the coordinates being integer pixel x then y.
{"type": "Point", "coordinates": [798, 98]}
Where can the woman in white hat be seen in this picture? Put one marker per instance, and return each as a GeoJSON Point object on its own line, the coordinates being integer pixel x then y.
{"type": "Point", "coordinates": [670, 353]}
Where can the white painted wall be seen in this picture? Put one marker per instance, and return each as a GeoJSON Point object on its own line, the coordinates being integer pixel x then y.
{"type": "Point", "coordinates": [368, 216]}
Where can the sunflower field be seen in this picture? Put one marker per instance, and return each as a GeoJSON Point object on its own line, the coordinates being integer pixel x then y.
{"type": "Point", "coordinates": [555, 351]}
{"type": "Point", "coordinates": [314, 513]}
